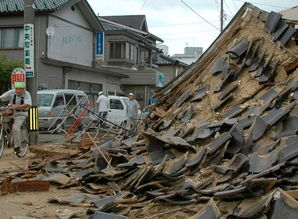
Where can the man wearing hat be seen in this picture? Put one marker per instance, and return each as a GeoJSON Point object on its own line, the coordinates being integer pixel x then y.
{"type": "Point", "coordinates": [19, 102]}
{"type": "Point", "coordinates": [132, 111]}
{"type": "Point", "coordinates": [102, 101]}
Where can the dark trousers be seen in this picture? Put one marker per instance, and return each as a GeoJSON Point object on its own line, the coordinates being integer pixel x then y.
{"type": "Point", "coordinates": [103, 115]}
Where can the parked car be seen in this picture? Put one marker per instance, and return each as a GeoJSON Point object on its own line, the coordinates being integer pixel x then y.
{"type": "Point", "coordinates": [117, 110]}
{"type": "Point", "coordinates": [51, 105]}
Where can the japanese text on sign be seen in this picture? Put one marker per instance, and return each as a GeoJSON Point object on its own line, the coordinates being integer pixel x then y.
{"type": "Point", "coordinates": [99, 47]}
{"type": "Point", "coordinates": [18, 74]}
{"type": "Point", "coordinates": [29, 49]}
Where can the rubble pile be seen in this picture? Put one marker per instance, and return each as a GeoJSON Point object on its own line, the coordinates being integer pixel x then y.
{"type": "Point", "coordinates": [222, 139]}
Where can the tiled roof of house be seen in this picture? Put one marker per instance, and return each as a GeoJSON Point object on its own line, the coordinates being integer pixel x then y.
{"type": "Point", "coordinates": [110, 25]}
{"type": "Point", "coordinates": [15, 6]}
{"type": "Point", "coordinates": [165, 60]}
{"type": "Point", "coordinates": [290, 14]}
{"type": "Point", "coordinates": [134, 21]}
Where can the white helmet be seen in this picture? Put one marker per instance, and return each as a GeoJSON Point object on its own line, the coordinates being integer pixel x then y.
{"type": "Point", "coordinates": [130, 94]}
{"type": "Point", "coordinates": [100, 93]}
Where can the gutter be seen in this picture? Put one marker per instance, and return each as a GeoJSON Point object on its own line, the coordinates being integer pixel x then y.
{"type": "Point", "coordinates": [81, 67]}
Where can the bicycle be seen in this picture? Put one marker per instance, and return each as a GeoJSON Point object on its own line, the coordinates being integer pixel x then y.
{"type": "Point", "coordinates": [6, 139]}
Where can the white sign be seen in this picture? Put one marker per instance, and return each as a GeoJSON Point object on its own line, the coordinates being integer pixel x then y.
{"type": "Point", "coordinates": [17, 74]}
{"type": "Point", "coordinates": [70, 43]}
{"type": "Point", "coordinates": [29, 50]}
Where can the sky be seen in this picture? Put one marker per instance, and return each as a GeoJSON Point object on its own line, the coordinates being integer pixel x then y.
{"type": "Point", "coordinates": [179, 25]}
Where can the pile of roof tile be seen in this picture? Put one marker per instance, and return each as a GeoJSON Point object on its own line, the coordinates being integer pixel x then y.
{"type": "Point", "coordinates": [222, 138]}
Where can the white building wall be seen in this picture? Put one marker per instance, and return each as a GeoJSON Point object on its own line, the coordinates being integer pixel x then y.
{"type": "Point", "coordinates": [74, 16]}
{"type": "Point", "coordinates": [70, 43]}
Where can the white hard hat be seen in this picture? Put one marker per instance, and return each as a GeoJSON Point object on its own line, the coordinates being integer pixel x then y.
{"type": "Point", "coordinates": [100, 93]}
{"type": "Point", "coordinates": [130, 94]}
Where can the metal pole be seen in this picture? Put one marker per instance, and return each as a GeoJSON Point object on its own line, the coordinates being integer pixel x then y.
{"type": "Point", "coordinates": [221, 15]}
{"type": "Point", "coordinates": [29, 18]}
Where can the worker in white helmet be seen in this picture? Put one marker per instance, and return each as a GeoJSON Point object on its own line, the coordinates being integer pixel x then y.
{"type": "Point", "coordinates": [133, 108]}
{"type": "Point", "coordinates": [102, 101]}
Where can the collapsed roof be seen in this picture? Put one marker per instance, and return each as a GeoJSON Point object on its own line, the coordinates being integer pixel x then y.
{"type": "Point", "coordinates": [235, 113]}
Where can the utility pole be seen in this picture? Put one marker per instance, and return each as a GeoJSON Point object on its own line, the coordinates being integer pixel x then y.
{"type": "Point", "coordinates": [221, 15]}
{"type": "Point", "coordinates": [29, 57]}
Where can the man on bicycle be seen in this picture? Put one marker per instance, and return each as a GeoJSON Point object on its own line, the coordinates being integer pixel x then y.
{"type": "Point", "coordinates": [19, 104]}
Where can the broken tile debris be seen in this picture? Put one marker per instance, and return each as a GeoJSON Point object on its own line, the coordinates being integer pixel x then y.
{"type": "Point", "coordinates": [218, 66]}
{"type": "Point", "coordinates": [287, 35]}
{"type": "Point", "coordinates": [103, 215]}
{"type": "Point", "coordinates": [227, 91]}
{"type": "Point", "coordinates": [200, 93]}
{"type": "Point", "coordinates": [272, 21]}
{"type": "Point", "coordinates": [260, 163]}
{"type": "Point", "coordinates": [238, 50]}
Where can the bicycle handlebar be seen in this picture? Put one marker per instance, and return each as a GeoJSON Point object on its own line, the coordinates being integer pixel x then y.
{"type": "Point", "coordinates": [3, 108]}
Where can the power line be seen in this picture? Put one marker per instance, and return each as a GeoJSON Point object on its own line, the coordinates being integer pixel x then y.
{"type": "Point", "coordinates": [181, 38]}
{"type": "Point", "coordinates": [198, 14]}
{"type": "Point", "coordinates": [193, 32]}
{"type": "Point", "coordinates": [235, 5]}
{"type": "Point", "coordinates": [145, 1]}
{"type": "Point", "coordinates": [226, 15]}
{"type": "Point", "coordinates": [216, 4]}
{"type": "Point", "coordinates": [178, 24]}
{"type": "Point", "coordinates": [262, 4]}
{"type": "Point", "coordinates": [228, 9]}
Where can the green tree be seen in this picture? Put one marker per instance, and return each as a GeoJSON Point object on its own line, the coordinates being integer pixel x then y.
{"type": "Point", "coordinates": [6, 67]}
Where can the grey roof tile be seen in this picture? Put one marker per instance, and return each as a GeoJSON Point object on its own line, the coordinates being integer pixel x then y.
{"type": "Point", "coordinates": [134, 21]}
{"type": "Point", "coordinates": [11, 6]}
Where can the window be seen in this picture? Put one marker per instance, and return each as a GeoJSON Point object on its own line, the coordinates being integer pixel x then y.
{"type": "Point", "coordinates": [130, 51]}
{"type": "Point", "coordinates": [44, 99]}
{"type": "Point", "coordinates": [83, 100]}
{"type": "Point", "coordinates": [117, 50]}
{"type": "Point", "coordinates": [91, 89]}
{"type": "Point", "coordinates": [96, 87]}
{"type": "Point", "coordinates": [59, 101]}
{"type": "Point", "coordinates": [8, 38]}
{"type": "Point", "coordinates": [73, 85]}
{"type": "Point", "coordinates": [122, 50]}
{"type": "Point", "coordinates": [11, 38]}
{"type": "Point", "coordinates": [20, 38]}
{"type": "Point", "coordinates": [88, 88]}
{"type": "Point", "coordinates": [126, 101]}
{"type": "Point", "coordinates": [116, 104]}
{"type": "Point", "coordinates": [85, 86]}
{"type": "Point", "coordinates": [144, 56]}
{"type": "Point", "coordinates": [70, 99]}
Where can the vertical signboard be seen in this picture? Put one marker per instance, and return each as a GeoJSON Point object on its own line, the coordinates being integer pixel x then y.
{"type": "Point", "coordinates": [29, 50]}
{"type": "Point", "coordinates": [17, 74]}
{"type": "Point", "coordinates": [99, 53]}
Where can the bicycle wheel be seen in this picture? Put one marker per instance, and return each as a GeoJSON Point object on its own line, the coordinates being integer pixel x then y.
{"type": "Point", "coordinates": [2, 141]}
{"type": "Point", "coordinates": [24, 141]}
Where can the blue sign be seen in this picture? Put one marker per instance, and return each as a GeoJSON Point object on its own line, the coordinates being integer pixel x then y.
{"type": "Point", "coordinates": [153, 100]}
{"type": "Point", "coordinates": [160, 79]}
{"type": "Point", "coordinates": [100, 46]}
{"type": "Point", "coordinates": [29, 74]}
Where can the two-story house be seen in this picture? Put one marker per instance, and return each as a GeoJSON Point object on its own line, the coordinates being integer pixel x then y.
{"type": "Point", "coordinates": [170, 67]}
{"type": "Point", "coordinates": [130, 49]}
{"type": "Point", "coordinates": [65, 43]}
